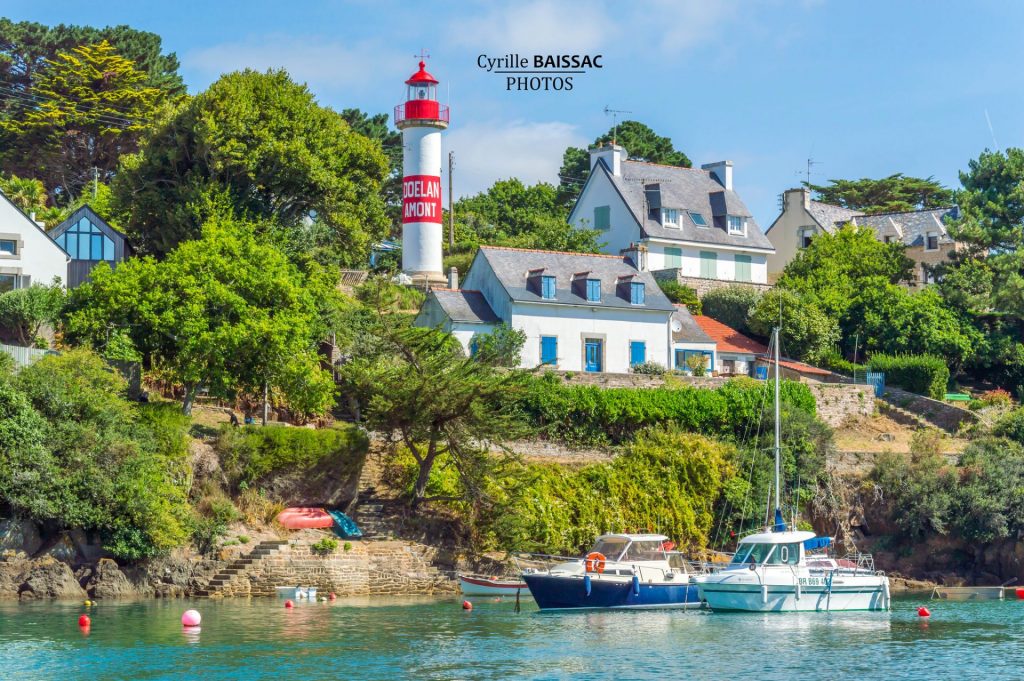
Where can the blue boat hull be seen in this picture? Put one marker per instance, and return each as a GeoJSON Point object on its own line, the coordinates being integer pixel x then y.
{"type": "Point", "coordinates": [558, 592]}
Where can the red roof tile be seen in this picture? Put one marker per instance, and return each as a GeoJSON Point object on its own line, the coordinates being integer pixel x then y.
{"type": "Point", "coordinates": [727, 338]}
{"type": "Point", "coordinates": [798, 366]}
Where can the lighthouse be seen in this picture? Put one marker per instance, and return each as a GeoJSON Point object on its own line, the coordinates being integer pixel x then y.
{"type": "Point", "coordinates": [421, 119]}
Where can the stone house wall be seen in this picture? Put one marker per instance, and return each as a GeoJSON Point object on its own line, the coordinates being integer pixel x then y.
{"type": "Point", "coordinates": [701, 285]}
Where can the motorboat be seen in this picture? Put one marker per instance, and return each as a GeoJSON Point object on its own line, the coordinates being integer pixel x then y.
{"type": "Point", "coordinates": [782, 570]}
{"type": "Point", "coordinates": [622, 571]}
{"type": "Point", "coordinates": [969, 593]}
{"type": "Point", "coordinates": [479, 585]}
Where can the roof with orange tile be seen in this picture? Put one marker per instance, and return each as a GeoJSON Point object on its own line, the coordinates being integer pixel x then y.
{"type": "Point", "coordinates": [729, 339]}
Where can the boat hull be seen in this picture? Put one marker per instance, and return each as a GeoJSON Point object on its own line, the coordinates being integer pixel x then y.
{"type": "Point", "coordinates": [785, 598]}
{"type": "Point", "coordinates": [479, 586]}
{"type": "Point", "coordinates": [569, 592]}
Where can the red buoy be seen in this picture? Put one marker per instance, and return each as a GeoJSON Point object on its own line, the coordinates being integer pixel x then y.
{"type": "Point", "coordinates": [1020, 592]}
{"type": "Point", "coordinates": [331, 597]}
{"type": "Point", "coordinates": [924, 612]}
{"type": "Point", "coordinates": [466, 605]}
{"type": "Point", "coordinates": [84, 621]}
{"type": "Point", "coordinates": [289, 604]}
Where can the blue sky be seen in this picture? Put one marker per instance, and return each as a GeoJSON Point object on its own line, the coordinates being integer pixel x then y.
{"type": "Point", "coordinates": [866, 88]}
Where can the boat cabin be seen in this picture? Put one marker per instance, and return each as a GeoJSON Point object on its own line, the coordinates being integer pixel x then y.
{"type": "Point", "coordinates": [773, 548]}
{"type": "Point", "coordinates": [632, 548]}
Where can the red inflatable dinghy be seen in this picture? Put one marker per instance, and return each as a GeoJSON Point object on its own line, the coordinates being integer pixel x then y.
{"type": "Point", "coordinates": [302, 518]}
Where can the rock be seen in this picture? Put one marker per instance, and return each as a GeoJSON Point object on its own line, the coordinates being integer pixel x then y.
{"type": "Point", "coordinates": [12, 575]}
{"type": "Point", "coordinates": [19, 536]}
{"type": "Point", "coordinates": [64, 550]}
{"type": "Point", "coordinates": [107, 581]}
{"type": "Point", "coordinates": [50, 578]}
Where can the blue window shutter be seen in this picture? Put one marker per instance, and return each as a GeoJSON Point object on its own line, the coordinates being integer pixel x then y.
{"type": "Point", "coordinates": [637, 352]}
{"type": "Point", "coordinates": [743, 267]}
{"type": "Point", "coordinates": [602, 217]}
{"type": "Point", "coordinates": [673, 258]}
{"type": "Point", "coordinates": [547, 287]}
{"type": "Point", "coordinates": [594, 290]}
{"type": "Point", "coordinates": [548, 349]}
{"type": "Point", "coordinates": [636, 291]}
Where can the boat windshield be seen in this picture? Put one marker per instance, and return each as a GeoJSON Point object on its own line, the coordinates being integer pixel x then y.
{"type": "Point", "coordinates": [611, 547]}
{"type": "Point", "coordinates": [751, 553]}
{"type": "Point", "coordinates": [645, 550]}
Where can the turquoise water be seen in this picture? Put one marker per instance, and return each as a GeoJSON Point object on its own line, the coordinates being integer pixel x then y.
{"type": "Point", "coordinates": [435, 639]}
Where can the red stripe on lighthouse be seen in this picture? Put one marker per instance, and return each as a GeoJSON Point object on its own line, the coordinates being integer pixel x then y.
{"type": "Point", "coordinates": [421, 198]}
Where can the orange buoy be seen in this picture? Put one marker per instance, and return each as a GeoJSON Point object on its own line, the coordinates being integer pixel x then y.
{"type": "Point", "coordinates": [924, 612]}
{"type": "Point", "coordinates": [84, 621]}
{"type": "Point", "coordinates": [289, 604]}
{"type": "Point", "coordinates": [466, 605]}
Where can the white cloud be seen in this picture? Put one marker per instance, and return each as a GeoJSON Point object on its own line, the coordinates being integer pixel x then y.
{"type": "Point", "coordinates": [540, 26]}
{"type": "Point", "coordinates": [324, 65]}
{"type": "Point", "coordinates": [485, 152]}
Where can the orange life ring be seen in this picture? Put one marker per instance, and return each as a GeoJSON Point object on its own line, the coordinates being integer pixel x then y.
{"type": "Point", "coordinates": [595, 562]}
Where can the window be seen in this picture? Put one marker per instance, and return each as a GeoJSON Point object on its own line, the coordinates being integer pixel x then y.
{"type": "Point", "coordinates": [887, 239]}
{"type": "Point", "coordinates": [547, 287]}
{"type": "Point", "coordinates": [737, 225]}
{"type": "Point", "coordinates": [683, 359]}
{"type": "Point", "coordinates": [474, 346]}
{"type": "Point", "coordinates": [670, 217]}
{"type": "Point", "coordinates": [806, 234]}
{"type": "Point", "coordinates": [636, 293]}
{"type": "Point", "coordinates": [549, 350]}
{"type": "Point", "coordinates": [602, 217]}
{"type": "Point", "coordinates": [743, 268]}
{"type": "Point", "coordinates": [698, 219]}
{"type": "Point", "coordinates": [708, 265]}
{"type": "Point", "coordinates": [8, 247]}
{"type": "Point", "coordinates": [8, 282]}
{"type": "Point", "coordinates": [85, 241]}
{"type": "Point", "coordinates": [673, 258]}
{"type": "Point", "coordinates": [594, 290]}
{"type": "Point", "coordinates": [637, 353]}
{"type": "Point", "coordinates": [931, 242]}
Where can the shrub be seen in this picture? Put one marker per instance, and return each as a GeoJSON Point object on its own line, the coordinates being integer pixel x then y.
{"type": "Point", "coordinates": [379, 292]}
{"type": "Point", "coordinates": [697, 364]}
{"type": "Point", "coordinates": [731, 305]}
{"type": "Point", "coordinates": [998, 396]}
{"type": "Point", "coordinates": [681, 295]}
{"type": "Point", "coordinates": [256, 508]}
{"type": "Point", "coordinates": [921, 374]}
{"type": "Point", "coordinates": [325, 546]}
{"type": "Point", "coordinates": [251, 453]}
{"type": "Point", "coordinates": [649, 368]}
{"type": "Point", "coordinates": [837, 363]}
{"type": "Point", "coordinates": [1011, 425]}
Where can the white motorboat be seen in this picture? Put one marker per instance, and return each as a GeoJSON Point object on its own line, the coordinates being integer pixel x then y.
{"type": "Point", "coordinates": [780, 570]}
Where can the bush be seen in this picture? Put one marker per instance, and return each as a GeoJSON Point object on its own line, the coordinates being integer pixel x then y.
{"type": "Point", "coordinates": [379, 292]}
{"type": "Point", "coordinates": [251, 453]}
{"type": "Point", "coordinates": [731, 305]}
{"type": "Point", "coordinates": [325, 546]}
{"type": "Point", "coordinates": [921, 374]}
{"type": "Point", "coordinates": [1011, 426]}
{"type": "Point", "coordinates": [697, 364]}
{"type": "Point", "coordinates": [837, 363]}
{"type": "Point", "coordinates": [592, 415]}
{"type": "Point", "coordinates": [995, 397]}
{"type": "Point", "coordinates": [681, 295]}
{"type": "Point", "coordinates": [648, 368]}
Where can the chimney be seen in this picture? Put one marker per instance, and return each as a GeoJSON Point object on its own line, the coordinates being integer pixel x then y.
{"type": "Point", "coordinates": [721, 171]}
{"type": "Point", "coordinates": [796, 198]}
{"type": "Point", "coordinates": [612, 154]}
{"type": "Point", "coordinates": [453, 278]}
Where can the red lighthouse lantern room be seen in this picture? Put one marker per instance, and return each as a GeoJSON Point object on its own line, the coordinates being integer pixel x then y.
{"type": "Point", "coordinates": [421, 107]}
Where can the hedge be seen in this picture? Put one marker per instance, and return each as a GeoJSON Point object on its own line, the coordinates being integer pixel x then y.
{"type": "Point", "coordinates": [254, 452]}
{"type": "Point", "coordinates": [593, 415]}
{"type": "Point", "coordinates": [921, 374]}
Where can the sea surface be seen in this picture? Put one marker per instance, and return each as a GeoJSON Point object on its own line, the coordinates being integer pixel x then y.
{"type": "Point", "coordinates": [433, 638]}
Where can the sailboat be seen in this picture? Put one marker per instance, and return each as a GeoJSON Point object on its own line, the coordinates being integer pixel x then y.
{"type": "Point", "coordinates": [784, 570]}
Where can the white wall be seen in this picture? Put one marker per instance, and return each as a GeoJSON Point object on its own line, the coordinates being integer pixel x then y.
{"type": "Point", "coordinates": [482, 278]}
{"type": "Point", "coordinates": [785, 232]}
{"type": "Point", "coordinates": [38, 257]}
{"type": "Point", "coordinates": [743, 363]}
{"type": "Point", "coordinates": [725, 264]}
{"type": "Point", "coordinates": [570, 324]}
{"type": "Point", "coordinates": [599, 191]}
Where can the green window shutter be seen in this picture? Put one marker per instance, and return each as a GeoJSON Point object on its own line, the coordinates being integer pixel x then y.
{"type": "Point", "coordinates": [602, 217]}
{"type": "Point", "coordinates": [708, 265]}
{"type": "Point", "coordinates": [743, 268]}
{"type": "Point", "coordinates": [673, 258]}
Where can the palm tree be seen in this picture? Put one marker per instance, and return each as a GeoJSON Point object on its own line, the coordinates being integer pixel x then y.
{"type": "Point", "coordinates": [26, 193]}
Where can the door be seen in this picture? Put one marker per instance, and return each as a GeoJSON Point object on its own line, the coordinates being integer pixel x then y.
{"type": "Point", "coordinates": [673, 258]}
{"type": "Point", "coordinates": [742, 268]}
{"type": "Point", "coordinates": [592, 347]}
{"type": "Point", "coordinates": [708, 265]}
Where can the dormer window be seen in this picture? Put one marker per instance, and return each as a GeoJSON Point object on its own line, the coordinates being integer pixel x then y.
{"type": "Point", "coordinates": [737, 225]}
{"type": "Point", "coordinates": [636, 293]}
{"type": "Point", "coordinates": [698, 219]}
{"type": "Point", "coordinates": [594, 290]}
{"type": "Point", "coordinates": [547, 287]}
{"type": "Point", "coordinates": [931, 242]}
{"type": "Point", "coordinates": [670, 217]}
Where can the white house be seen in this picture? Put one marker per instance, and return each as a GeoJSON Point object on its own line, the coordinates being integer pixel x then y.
{"type": "Point", "coordinates": [27, 254]}
{"type": "Point", "coordinates": [689, 339]}
{"type": "Point", "coordinates": [924, 233]}
{"type": "Point", "coordinates": [580, 312]}
{"type": "Point", "coordinates": [684, 219]}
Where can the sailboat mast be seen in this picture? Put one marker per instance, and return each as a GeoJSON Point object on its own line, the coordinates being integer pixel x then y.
{"type": "Point", "coordinates": [778, 425]}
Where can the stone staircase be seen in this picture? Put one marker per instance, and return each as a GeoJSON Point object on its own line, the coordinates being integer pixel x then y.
{"type": "Point", "coordinates": [240, 567]}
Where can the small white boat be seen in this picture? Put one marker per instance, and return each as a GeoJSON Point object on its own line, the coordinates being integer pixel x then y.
{"type": "Point", "coordinates": [968, 593]}
{"type": "Point", "coordinates": [477, 585]}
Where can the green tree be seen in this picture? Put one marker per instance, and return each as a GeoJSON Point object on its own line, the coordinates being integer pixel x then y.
{"type": "Point", "coordinates": [681, 295]}
{"type": "Point", "coordinates": [807, 333]}
{"type": "Point", "coordinates": [227, 312]}
{"type": "Point", "coordinates": [502, 347]}
{"type": "Point", "coordinates": [639, 141]}
{"type": "Point", "coordinates": [26, 310]}
{"type": "Point", "coordinates": [377, 128]}
{"type": "Point", "coordinates": [91, 106]}
{"type": "Point", "coordinates": [257, 147]}
{"type": "Point", "coordinates": [984, 279]}
{"type": "Point", "coordinates": [731, 305]}
{"type": "Point", "coordinates": [437, 402]}
{"type": "Point", "coordinates": [893, 194]}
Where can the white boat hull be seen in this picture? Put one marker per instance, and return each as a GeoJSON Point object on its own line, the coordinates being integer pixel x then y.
{"type": "Point", "coordinates": [779, 598]}
{"type": "Point", "coordinates": [484, 586]}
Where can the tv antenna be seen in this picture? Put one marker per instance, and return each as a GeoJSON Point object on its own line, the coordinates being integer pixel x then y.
{"type": "Point", "coordinates": [807, 172]}
{"type": "Point", "coordinates": [614, 113]}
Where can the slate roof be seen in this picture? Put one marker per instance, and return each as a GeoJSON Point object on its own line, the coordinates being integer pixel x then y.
{"type": "Point", "coordinates": [729, 339]}
{"type": "Point", "coordinates": [688, 189]}
{"type": "Point", "coordinates": [911, 227]}
{"type": "Point", "coordinates": [830, 217]}
{"type": "Point", "coordinates": [465, 306]}
{"type": "Point", "coordinates": [690, 331]}
{"type": "Point", "coordinates": [512, 267]}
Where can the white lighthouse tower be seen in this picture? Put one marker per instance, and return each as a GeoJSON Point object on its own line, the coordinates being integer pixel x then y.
{"type": "Point", "coordinates": [421, 120]}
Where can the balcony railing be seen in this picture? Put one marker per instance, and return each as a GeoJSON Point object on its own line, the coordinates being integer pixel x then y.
{"type": "Point", "coordinates": [425, 110]}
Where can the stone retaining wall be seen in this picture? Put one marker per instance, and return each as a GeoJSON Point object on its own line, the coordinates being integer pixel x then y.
{"type": "Point", "coordinates": [943, 415]}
